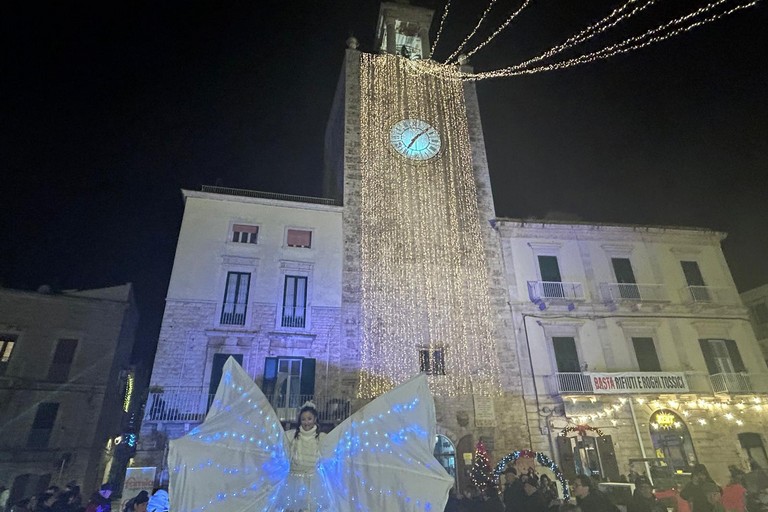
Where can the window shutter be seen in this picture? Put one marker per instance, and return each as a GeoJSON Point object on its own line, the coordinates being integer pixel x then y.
{"type": "Point", "coordinates": [647, 359]}
{"type": "Point", "coordinates": [566, 356]}
{"type": "Point", "coordinates": [706, 349]}
{"type": "Point", "coordinates": [550, 270]}
{"type": "Point", "coordinates": [733, 353]}
{"type": "Point", "coordinates": [270, 376]}
{"type": "Point", "coordinates": [299, 238]}
{"type": "Point", "coordinates": [244, 228]}
{"type": "Point", "coordinates": [307, 386]}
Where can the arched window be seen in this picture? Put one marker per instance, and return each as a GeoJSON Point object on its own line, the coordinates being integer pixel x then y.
{"type": "Point", "coordinates": [445, 453]}
{"type": "Point", "coordinates": [671, 440]}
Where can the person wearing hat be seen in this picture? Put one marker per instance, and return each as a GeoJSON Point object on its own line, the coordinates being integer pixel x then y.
{"type": "Point", "coordinates": [694, 493]}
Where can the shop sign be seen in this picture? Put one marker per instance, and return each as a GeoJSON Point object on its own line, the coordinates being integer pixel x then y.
{"type": "Point", "coordinates": [137, 480]}
{"type": "Point", "coordinates": [638, 382]}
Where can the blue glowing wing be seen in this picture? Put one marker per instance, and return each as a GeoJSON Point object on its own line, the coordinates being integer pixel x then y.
{"type": "Point", "coordinates": [381, 458]}
{"type": "Point", "coordinates": [236, 459]}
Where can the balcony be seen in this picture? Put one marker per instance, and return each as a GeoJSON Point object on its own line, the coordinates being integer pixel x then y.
{"type": "Point", "coordinates": [572, 382]}
{"type": "Point", "coordinates": [191, 404]}
{"type": "Point", "coordinates": [707, 295]}
{"type": "Point", "coordinates": [739, 383]}
{"type": "Point", "coordinates": [632, 292]}
{"type": "Point", "coordinates": [555, 291]}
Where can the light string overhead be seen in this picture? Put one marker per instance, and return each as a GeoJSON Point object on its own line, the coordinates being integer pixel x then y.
{"type": "Point", "coordinates": [498, 31]}
{"type": "Point", "coordinates": [440, 28]}
{"type": "Point", "coordinates": [663, 31]}
{"type": "Point", "coordinates": [471, 34]}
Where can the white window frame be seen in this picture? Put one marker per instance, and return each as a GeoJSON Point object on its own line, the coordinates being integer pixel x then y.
{"type": "Point", "coordinates": [243, 222]}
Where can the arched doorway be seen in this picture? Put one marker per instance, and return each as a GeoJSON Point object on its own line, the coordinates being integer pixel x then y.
{"type": "Point", "coordinates": [671, 440]}
{"type": "Point", "coordinates": [445, 453]}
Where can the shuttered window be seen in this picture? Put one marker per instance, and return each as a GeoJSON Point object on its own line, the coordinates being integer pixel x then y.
{"type": "Point", "coordinates": [299, 238]}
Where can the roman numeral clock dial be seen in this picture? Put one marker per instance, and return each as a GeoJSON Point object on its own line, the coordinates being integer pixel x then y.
{"type": "Point", "coordinates": [415, 139]}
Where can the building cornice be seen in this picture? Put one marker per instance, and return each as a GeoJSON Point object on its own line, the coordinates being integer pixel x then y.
{"type": "Point", "coordinates": [263, 201]}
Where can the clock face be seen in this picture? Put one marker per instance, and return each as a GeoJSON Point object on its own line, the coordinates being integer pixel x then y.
{"type": "Point", "coordinates": [415, 139]}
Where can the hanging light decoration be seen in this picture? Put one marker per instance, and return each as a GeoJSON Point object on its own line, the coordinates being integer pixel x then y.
{"type": "Point", "coordinates": [425, 279]}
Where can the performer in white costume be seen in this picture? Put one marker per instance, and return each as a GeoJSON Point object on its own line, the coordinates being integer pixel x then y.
{"type": "Point", "coordinates": [380, 459]}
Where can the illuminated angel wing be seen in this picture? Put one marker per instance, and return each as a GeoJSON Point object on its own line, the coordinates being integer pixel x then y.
{"type": "Point", "coordinates": [381, 457]}
{"type": "Point", "coordinates": [236, 459]}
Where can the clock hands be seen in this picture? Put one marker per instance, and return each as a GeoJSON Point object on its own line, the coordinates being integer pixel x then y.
{"type": "Point", "coordinates": [422, 132]}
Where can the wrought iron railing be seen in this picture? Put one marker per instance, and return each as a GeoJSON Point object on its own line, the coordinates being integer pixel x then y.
{"type": "Point", "coordinates": [552, 290]}
{"type": "Point", "coordinates": [233, 313]}
{"type": "Point", "coordinates": [294, 316]}
{"type": "Point", "coordinates": [731, 383]}
{"type": "Point", "coordinates": [633, 292]}
{"type": "Point", "coordinates": [572, 382]}
{"type": "Point", "coordinates": [708, 295]}
{"type": "Point", "coordinates": [191, 404]}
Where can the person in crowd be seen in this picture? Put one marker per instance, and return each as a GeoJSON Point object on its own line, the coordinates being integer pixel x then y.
{"type": "Point", "coordinates": [643, 499]}
{"type": "Point", "coordinates": [734, 494]}
{"type": "Point", "coordinates": [4, 494]}
{"type": "Point", "coordinates": [138, 503]}
{"type": "Point", "coordinates": [452, 505]}
{"type": "Point", "coordinates": [569, 507]}
{"type": "Point", "coordinates": [491, 500]}
{"type": "Point", "coordinates": [712, 494]}
{"type": "Point", "coordinates": [589, 498]}
{"type": "Point", "coordinates": [159, 501]}
{"type": "Point", "coordinates": [100, 501]}
{"type": "Point", "coordinates": [693, 492]}
{"type": "Point", "coordinates": [513, 491]}
{"type": "Point", "coordinates": [533, 500]}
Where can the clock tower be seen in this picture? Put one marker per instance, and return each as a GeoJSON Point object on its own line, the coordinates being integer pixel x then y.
{"type": "Point", "coordinates": [423, 280]}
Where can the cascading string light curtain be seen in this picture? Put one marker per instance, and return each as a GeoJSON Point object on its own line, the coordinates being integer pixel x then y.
{"type": "Point", "coordinates": [424, 272]}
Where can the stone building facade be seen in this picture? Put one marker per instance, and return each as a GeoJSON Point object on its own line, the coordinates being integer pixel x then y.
{"type": "Point", "coordinates": [595, 303]}
{"type": "Point", "coordinates": [63, 364]}
{"type": "Point", "coordinates": [278, 283]}
{"type": "Point", "coordinates": [756, 300]}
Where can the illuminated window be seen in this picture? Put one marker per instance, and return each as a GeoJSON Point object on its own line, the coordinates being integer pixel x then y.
{"type": "Point", "coordinates": [299, 238]}
{"type": "Point", "coordinates": [235, 298]}
{"type": "Point", "coordinates": [245, 234]}
{"type": "Point", "coordinates": [671, 440]}
{"type": "Point", "coordinates": [432, 362]}
{"type": "Point", "coordinates": [7, 342]}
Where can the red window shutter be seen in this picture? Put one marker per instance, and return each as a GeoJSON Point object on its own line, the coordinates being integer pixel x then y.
{"type": "Point", "coordinates": [244, 228]}
{"type": "Point", "coordinates": [299, 238]}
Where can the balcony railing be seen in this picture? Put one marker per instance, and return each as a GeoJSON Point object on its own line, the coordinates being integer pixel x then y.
{"type": "Point", "coordinates": [731, 383]}
{"type": "Point", "coordinates": [233, 313]}
{"type": "Point", "coordinates": [708, 295]}
{"type": "Point", "coordinates": [555, 290]}
{"type": "Point", "coordinates": [294, 316]}
{"type": "Point", "coordinates": [633, 292]}
{"type": "Point", "coordinates": [190, 405]}
{"type": "Point", "coordinates": [572, 382]}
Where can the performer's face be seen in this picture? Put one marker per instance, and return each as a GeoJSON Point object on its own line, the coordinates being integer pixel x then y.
{"type": "Point", "coordinates": [307, 420]}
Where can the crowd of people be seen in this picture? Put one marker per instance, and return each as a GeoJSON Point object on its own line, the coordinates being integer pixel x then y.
{"type": "Point", "coordinates": [69, 499]}
{"type": "Point", "coordinates": [529, 492]}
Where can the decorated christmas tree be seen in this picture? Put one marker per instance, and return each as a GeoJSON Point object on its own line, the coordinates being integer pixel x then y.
{"type": "Point", "coordinates": [481, 468]}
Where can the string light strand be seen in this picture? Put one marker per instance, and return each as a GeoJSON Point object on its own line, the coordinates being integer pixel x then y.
{"type": "Point", "coordinates": [502, 27]}
{"type": "Point", "coordinates": [471, 34]}
{"type": "Point", "coordinates": [440, 28]}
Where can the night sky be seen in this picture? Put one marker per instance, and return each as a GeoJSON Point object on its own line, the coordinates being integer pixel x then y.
{"type": "Point", "coordinates": [108, 109]}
